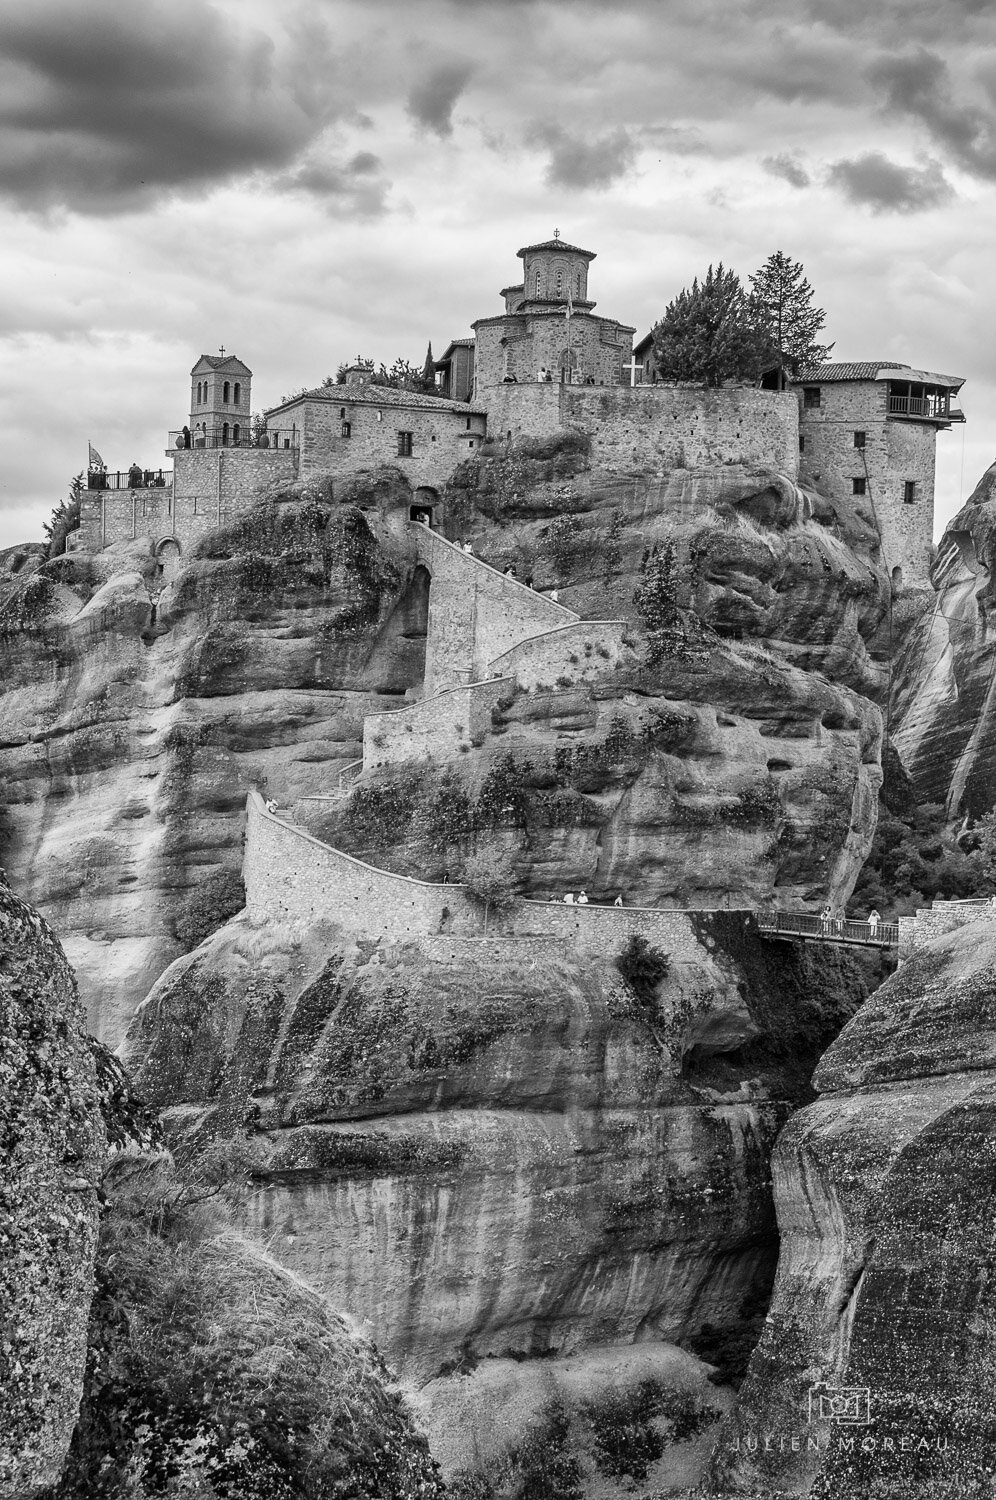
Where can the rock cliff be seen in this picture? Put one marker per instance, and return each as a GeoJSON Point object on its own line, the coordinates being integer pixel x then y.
{"type": "Point", "coordinates": [52, 1143]}
{"type": "Point", "coordinates": [136, 710]}
{"type": "Point", "coordinates": [884, 1298]}
{"type": "Point", "coordinates": [944, 697]}
{"type": "Point", "coordinates": [494, 1151]}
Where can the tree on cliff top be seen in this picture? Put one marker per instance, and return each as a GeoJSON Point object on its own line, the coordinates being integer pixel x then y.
{"type": "Point", "coordinates": [65, 517]}
{"type": "Point", "coordinates": [711, 332]}
{"type": "Point", "coordinates": [782, 302]}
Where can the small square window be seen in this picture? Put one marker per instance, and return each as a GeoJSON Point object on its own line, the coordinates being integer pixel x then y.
{"type": "Point", "coordinates": [909, 491]}
{"type": "Point", "coordinates": [347, 429]}
{"type": "Point", "coordinates": [810, 396]}
{"type": "Point", "coordinates": [859, 440]}
{"type": "Point", "coordinates": [468, 424]}
{"type": "Point", "coordinates": [404, 445]}
{"type": "Point", "coordinates": [858, 486]}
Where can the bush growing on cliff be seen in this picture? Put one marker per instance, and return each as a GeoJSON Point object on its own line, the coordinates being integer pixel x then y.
{"type": "Point", "coordinates": [656, 600]}
{"type": "Point", "coordinates": [65, 517]}
{"type": "Point", "coordinates": [571, 545]}
{"type": "Point", "coordinates": [917, 857]}
{"type": "Point", "coordinates": [643, 967]}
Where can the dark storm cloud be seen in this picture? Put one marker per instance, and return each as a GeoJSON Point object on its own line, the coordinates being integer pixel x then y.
{"type": "Point", "coordinates": [919, 86]}
{"type": "Point", "coordinates": [105, 106]}
{"type": "Point", "coordinates": [788, 167]}
{"type": "Point", "coordinates": [888, 187]}
{"type": "Point", "coordinates": [356, 187]}
{"type": "Point", "coordinates": [577, 163]}
{"type": "Point", "coordinates": [431, 100]}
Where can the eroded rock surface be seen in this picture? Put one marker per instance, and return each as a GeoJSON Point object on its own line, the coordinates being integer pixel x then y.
{"type": "Point", "coordinates": [886, 1194]}
{"type": "Point", "coordinates": [51, 1145]}
{"type": "Point", "coordinates": [136, 711]}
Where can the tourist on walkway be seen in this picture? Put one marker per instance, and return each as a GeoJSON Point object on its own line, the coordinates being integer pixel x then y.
{"type": "Point", "coordinates": [873, 921]}
{"type": "Point", "coordinates": [618, 901]}
{"type": "Point", "coordinates": [468, 548]}
{"type": "Point", "coordinates": [554, 595]}
{"type": "Point", "coordinates": [271, 806]}
{"type": "Point", "coordinates": [569, 899]}
{"type": "Point", "coordinates": [582, 899]}
{"type": "Point", "coordinates": [825, 916]}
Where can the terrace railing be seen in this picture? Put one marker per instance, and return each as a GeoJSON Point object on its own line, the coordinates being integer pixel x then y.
{"type": "Point", "coordinates": [128, 479]}
{"type": "Point", "coordinates": [802, 925]}
{"type": "Point", "coordinates": [935, 408]}
{"type": "Point", "coordinates": [236, 436]}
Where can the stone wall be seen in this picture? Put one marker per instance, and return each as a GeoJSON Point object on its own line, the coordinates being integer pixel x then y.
{"type": "Point", "coordinates": [894, 452]}
{"type": "Point", "coordinates": [521, 343]}
{"type": "Point", "coordinates": [640, 429]}
{"type": "Point", "coordinates": [210, 488]}
{"type": "Point", "coordinates": [581, 652]}
{"type": "Point", "coordinates": [291, 876]}
{"type": "Point", "coordinates": [442, 437]}
{"type": "Point", "coordinates": [436, 728]}
{"type": "Point", "coordinates": [941, 917]}
{"type": "Point", "coordinates": [475, 613]}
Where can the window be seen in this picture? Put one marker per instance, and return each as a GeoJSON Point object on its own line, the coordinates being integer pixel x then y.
{"type": "Point", "coordinates": [346, 430]}
{"type": "Point", "coordinates": [404, 445]}
{"type": "Point", "coordinates": [224, 434]}
{"type": "Point", "coordinates": [802, 443]}
{"type": "Point", "coordinates": [471, 443]}
{"type": "Point", "coordinates": [859, 440]}
{"type": "Point", "coordinates": [909, 491]}
{"type": "Point", "coordinates": [468, 424]}
{"type": "Point", "coordinates": [238, 392]}
{"type": "Point", "coordinates": [342, 411]}
{"type": "Point", "coordinates": [858, 486]}
{"type": "Point", "coordinates": [577, 291]}
{"type": "Point", "coordinates": [236, 434]}
{"type": "Point", "coordinates": [810, 396]}
{"type": "Point", "coordinates": [195, 505]}
{"type": "Point", "coordinates": [224, 392]}
{"type": "Point", "coordinates": [537, 283]}
{"type": "Point", "coordinates": [380, 416]}
{"type": "Point", "coordinates": [560, 283]}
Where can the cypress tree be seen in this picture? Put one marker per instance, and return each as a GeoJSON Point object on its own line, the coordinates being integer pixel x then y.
{"type": "Point", "coordinates": [783, 303]}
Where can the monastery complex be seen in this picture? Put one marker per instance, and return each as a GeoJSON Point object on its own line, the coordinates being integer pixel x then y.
{"type": "Point", "coordinates": [546, 363]}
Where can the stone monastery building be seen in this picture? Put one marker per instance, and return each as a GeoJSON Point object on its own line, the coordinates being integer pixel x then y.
{"type": "Point", "coordinates": [865, 434]}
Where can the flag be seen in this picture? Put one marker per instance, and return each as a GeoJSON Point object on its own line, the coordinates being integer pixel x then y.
{"type": "Point", "coordinates": [96, 462]}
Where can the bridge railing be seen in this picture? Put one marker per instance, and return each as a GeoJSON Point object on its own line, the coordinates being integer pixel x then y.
{"type": "Point", "coordinates": [835, 929]}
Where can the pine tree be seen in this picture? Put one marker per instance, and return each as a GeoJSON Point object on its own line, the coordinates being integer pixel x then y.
{"type": "Point", "coordinates": [710, 332]}
{"type": "Point", "coordinates": [783, 303]}
{"type": "Point", "coordinates": [65, 517]}
{"type": "Point", "coordinates": [429, 371]}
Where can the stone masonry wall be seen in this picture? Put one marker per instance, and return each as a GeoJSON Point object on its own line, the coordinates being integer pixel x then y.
{"type": "Point", "coordinates": [475, 613]}
{"type": "Point", "coordinates": [520, 344]}
{"type": "Point", "coordinates": [210, 488]}
{"type": "Point", "coordinates": [658, 427]}
{"type": "Point", "coordinates": [435, 729]}
{"type": "Point", "coordinates": [581, 651]}
{"type": "Point", "coordinates": [441, 438]}
{"type": "Point", "coordinates": [941, 917]}
{"type": "Point", "coordinates": [893, 453]}
{"type": "Point", "coordinates": [291, 876]}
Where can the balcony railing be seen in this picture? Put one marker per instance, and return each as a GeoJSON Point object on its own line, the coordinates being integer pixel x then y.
{"type": "Point", "coordinates": [277, 439]}
{"type": "Point", "coordinates": [933, 408]}
{"type": "Point", "coordinates": [828, 929]}
{"type": "Point", "coordinates": [128, 479]}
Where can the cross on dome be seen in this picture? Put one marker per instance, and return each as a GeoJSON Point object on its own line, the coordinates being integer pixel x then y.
{"type": "Point", "coordinates": [556, 234]}
{"type": "Point", "coordinates": [221, 349]}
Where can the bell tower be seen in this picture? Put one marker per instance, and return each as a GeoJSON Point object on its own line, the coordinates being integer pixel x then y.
{"type": "Point", "coordinates": [220, 401]}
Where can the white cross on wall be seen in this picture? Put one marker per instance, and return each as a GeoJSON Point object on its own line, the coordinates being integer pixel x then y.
{"type": "Point", "coordinates": [632, 367]}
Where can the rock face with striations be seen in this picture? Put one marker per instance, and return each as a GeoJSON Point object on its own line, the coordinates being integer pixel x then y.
{"type": "Point", "coordinates": [51, 1143]}
{"type": "Point", "coordinates": [886, 1195]}
{"type": "Point", "coordinates": [944, 699]}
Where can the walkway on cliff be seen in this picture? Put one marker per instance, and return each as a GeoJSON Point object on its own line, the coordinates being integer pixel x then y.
{"type": "Point", "coordinates": [801, 927]}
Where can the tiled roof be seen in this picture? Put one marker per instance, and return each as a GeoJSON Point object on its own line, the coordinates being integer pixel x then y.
{"type": "Point", "coordinates": [376, 395]}
{"type": "Point", "coordinates": [556, 245]}
{"type": "Point", "coordinates": [220, 362]}
{"type": "Point", "coordinates": [866, 371]}
{"type": "Point", "coordinates": [881, 369]}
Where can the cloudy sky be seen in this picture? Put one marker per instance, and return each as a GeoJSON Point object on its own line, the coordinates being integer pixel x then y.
{"type": "Point", "coordinates": [305, 180]}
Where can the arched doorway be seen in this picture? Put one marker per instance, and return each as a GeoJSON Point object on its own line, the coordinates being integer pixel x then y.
{"type": "Point", "coordinates": [424, 506]}
{"type": "Point", "coordinates": [569, 365]}
{"type": "Point", "coordinates": [167, 559]}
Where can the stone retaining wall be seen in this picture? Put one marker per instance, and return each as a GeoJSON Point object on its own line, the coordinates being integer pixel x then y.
{"type": "Point", "coordinates": [436, 728]}
{"type": "Point", "coordinates": [941, 917]}
{"type": "Point", "coordinates": [290, 875]}
{"type": "Point", "coordinates": [581, 652]}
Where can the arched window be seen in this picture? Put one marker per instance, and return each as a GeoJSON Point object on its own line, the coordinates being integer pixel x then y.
{"type": "Point", "coordinates": [560, 283]}
{"type": "Point", "coordinates": [236, 434]}
{"type": "Point", "coordinates": [238, 392]}
{"type": "Point", "coordinates": [537, 283]}
{"type": "Point", "coordinates": [224, 392]}
{"type": "Point", "coordinates": [224, 433]}
{"type": "Point", "coordinates": [198, 393]}
{"type": "Point", "coordinates": [578, 292]}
